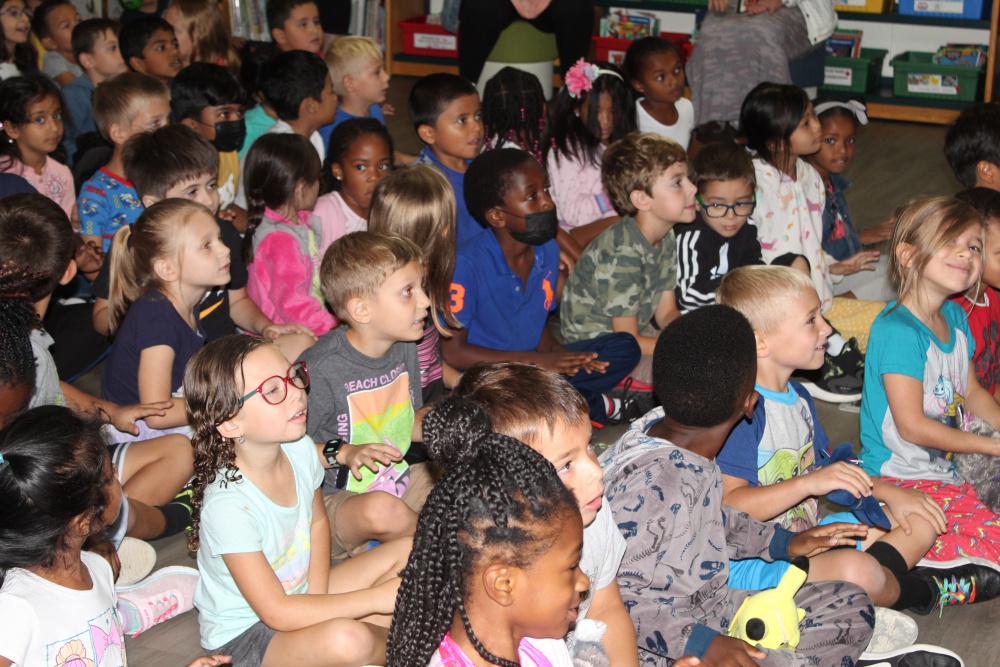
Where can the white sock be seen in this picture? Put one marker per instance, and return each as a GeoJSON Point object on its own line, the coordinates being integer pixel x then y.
{"type": "Point", "coordinates": [835, 344]}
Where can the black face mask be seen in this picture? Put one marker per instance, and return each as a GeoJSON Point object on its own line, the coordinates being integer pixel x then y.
{"type": "Point", "coordinates": [539, 228]}
{"type": "Point", "coordinates": [230, 135]}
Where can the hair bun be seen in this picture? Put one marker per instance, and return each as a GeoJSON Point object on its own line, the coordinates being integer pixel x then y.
{"type": "Point", "coordinates": [455, 431]}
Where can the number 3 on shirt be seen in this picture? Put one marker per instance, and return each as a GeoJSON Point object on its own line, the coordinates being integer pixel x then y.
{"type": "Point", "coordinates": [457, 298]}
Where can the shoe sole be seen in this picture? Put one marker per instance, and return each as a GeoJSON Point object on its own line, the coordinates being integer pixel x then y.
{"type": "Point", "coordinates": [934, 656]}
{"type": "Point", "coordinates": [956, 562]}
{"type": "Point", "coordinates": [156, 576]}
{"type": "Point", "coordinates": [137, 560]}
{"type": "Point", "coordinates": [828, 396]}
{"type": "Point", "coordinates": [892, 636]}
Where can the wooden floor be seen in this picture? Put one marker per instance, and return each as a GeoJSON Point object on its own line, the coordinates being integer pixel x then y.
{"type": "Point", "coordinates": [894, 162]}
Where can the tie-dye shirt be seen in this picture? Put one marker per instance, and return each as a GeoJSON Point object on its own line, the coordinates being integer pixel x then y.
{"type": "Point", "coordinates": [239, 518]}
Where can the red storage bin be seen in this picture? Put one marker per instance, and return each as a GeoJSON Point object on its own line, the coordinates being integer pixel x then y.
{"type": "Point", "coordinates": [612, 49]}
{"type": "Point", "coordinates": [423, 39]}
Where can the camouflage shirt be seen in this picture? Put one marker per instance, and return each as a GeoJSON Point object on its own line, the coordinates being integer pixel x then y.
{"type": "Point", "coordinates": [620, 274]}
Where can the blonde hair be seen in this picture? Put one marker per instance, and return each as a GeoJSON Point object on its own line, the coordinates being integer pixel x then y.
{"type": "Point", "coordinates": [206, 26]}
{"type": "Point", "coordinates": [119, 99]}
{"type": "Point", "coordinates": [159, 232]}
{"type": "Point", "coordinates": [761, 292]}
{"type": "Point", "coordinates": [418, 203]}
{"type": "Point", "coordinates": [634, 162]}
{"type": "Point", "coordinates": [343, 57]}
{"type": "Point", "coordinates": [926, 226]}
{"type": "Point", "coordinates": [356, 265]}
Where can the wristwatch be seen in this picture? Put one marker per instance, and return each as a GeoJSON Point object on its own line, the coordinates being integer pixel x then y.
{"type": "Point", "coordinates": [330, 451]}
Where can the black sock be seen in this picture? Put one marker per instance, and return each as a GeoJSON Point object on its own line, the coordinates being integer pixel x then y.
{"type": "Point", "coordinates": [913, 591]}
{"type": "Point", "coordinates": [177, 517]}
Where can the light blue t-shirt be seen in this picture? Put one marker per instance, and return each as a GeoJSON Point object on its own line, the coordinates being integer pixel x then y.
{"type": "Point", "coordinates": [374, 111]}
{"type": "Point", "coordinates": [900, 343]}
{"type": "Point", "coordinates": [239, 518]}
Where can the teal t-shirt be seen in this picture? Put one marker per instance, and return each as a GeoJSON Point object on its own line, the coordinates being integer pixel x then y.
{"type": "Point", "coordinates": [257, 122]}
{"type": "Point", "coordinates": [900, 343]}
{"type": "Point", "coordinates": [239, 518]}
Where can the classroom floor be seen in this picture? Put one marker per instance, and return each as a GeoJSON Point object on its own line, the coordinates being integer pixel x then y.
{"type": "Point", "coordinates": [894, 162]}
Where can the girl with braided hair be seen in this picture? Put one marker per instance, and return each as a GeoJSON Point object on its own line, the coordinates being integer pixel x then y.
{"type": "Point", "coordinates": [514, 112]}
{"type": "Point", "coordinates": [494, 575]}
{"type": "Point", "coordinates": [267, 595]}
{"type": "Point", "coordinates": [17, 359]}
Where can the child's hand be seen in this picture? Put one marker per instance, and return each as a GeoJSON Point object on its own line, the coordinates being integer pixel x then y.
{"type": "Point", "coordinates": [863, 261]}
{"type": "Point", "coordinates": [369, 456]}
{"type": "Point", "coordinates": [877, 234]}
{"type": "Point", "coordinates": [688, 661]}
{"type": "Point", "coordinates": [211, 661]}
{"type": "Point", "coordinates": [566, 262]}
{"type": "Point", "coordinates": [276, 331]}
{"type": "Point", "coordinates": [761, 6]}
{"type": "Point", "coordinates": [565, 363]}
{"type": "Point", "coordinates": [730, 652]}
{"type": "Point", "coordinates": [718, 6]}
{"type": "Point", "coordinates": [388, 110]}
{"type": "Point", "coordinates": [902, 503]}
{"type": "Point", "coordinates": [822, 538]}
{"type": "Point", "coordinates": [124, 417]}
{"type": "Point", "coordinates": [836, 476]}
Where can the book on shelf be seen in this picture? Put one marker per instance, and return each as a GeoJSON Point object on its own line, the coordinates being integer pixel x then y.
{"type": "Point", "coordinates": [844, 43]}
{"type": "Point", "coordinates": [626, 24]}
{"type": "Point", "coordinates": [970, 55]}
{"type": "Point", "coordinates": [368, 19]}
{"type": "Point", "coordinates": [249, 20]}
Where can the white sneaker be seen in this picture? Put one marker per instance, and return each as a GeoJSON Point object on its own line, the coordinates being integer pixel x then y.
{"type": "Point", "coordinates": [137, 561]}
{"type": "Point", "coordinates": [918, 655]}
{"type": "Point", "coordinates": [161, 596]}
{"type": "Point", "coordinates": [893, 631]}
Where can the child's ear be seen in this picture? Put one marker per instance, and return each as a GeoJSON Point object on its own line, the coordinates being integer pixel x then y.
{"type": "Point", "coordinates": [69, 273]}
{"type": "Point", "coordinates": [48, 43]}
{"type": "Point", "coordinates": [166, 270]}
{"type": "Point", "coordinates": [279, 37]}
{"type": "Point", "coordinates": [337, 172]}
{"type": "Point", "coordinates": [86, 60]}
{"type": "Point", "coordinates": [138, 64]}
{"type": "Point", "coordinates": [640, 199]}
{"type": "Point", "coordinates": [347, 84]}
{"type": "Point", "coordinates": [988, 175]}
{"type": "Point", "coordinates": [13, 131]}
{"type": "Point", "coordinates": [750, 404]}
{"type": "Point", "coordinates": [115, 133]}
{"type": "Point", "coordinates": [495, 218]}
{"type": "Point", "coordinates": [357, 310]}
{"type": "Point", "coordinates": [761, 344]}
{"type": "Point", "coordinates": [499, 583]}
{"type": "Point", "coordinates": [229, 429]}
{"type": "Point", "coordinates": [191, 123]}
{"type": "Point", "coordinates": [904, 254]}
{"type": "Point", "coordinates": [148, 200]}
{"type": "Point", "coordinates": [308, 107]}
{"type": "Point", "coordinates": [427, 134]}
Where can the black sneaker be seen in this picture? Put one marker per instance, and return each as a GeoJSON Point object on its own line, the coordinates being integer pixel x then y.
{"type": "Point", "coordinates": [832, 383]}
{"type": "Point", "coordinates": [852, 360]}
{"type": "Point", "coordinates": [963, 584]}
{"type": "Point", "coordinates": [634, 404]}
{"type": "Point", "coordinates": [918, 655]}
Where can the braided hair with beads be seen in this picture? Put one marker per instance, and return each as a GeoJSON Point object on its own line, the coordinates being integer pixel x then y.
{"type": "Point", "coordinates": [17, 319]}
{"type": "Point", "coordinates": [514, 111]}
{"type": "Point", "coordinates": [498, 501]}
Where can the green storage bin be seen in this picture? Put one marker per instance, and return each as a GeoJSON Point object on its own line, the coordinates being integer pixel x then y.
{"type": "Point", "coordinates": [916, 75]}
{"type": "Point", "coordinates": [854, 75]}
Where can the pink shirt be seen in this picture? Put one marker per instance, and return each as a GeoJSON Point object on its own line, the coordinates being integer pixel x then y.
{"type": "Point", "coordinates": [55, 182]}
{"type": "Point", "coordinates": [577, 190]}
{"type": "Point", "coordinates": [532, 653]}
{"type": "Point", "coordinates": [336, 219]}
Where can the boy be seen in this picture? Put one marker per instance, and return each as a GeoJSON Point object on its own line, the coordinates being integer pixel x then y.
{"type": "Point", "coordinates": [513, 396]}
{"type": "Point", "coordinates": [446, 114]}
{"type": "Point", "coordinates": [719, 240]}
{"type": "Point", "coordinates": [625, 279]}
{"type": "Point", "coordinates": [365, 388]}
{"type": "Point", "coordinates": [53, 23]}
{"type": "Point", "coordinates": [507, 280]}
{"type": "Point", "coordinates": [124, 106]}
{"type": "Point", "coordinates": [769, 463]}
{"type": "Point", "coordinates": [95, 47]}
{"type": "Point", "coordinates": [295, 25]}
{"type": "Point", "coordinates": [984, 308]}
{"type": "Point", "coordinates": [972, 146]}
{"type": "Point", "coordinates": [149, 46]}
{"type": "Point", "coordinates": [210, 99]}
{"type": "Point", "coordinates": [666, 495]}
{"type": "Point", "coordinates": [175, 161]}
{"type": "Point", "coordinates": [359, 80]}
{"type": "Point", "coordinates": [299, 89]}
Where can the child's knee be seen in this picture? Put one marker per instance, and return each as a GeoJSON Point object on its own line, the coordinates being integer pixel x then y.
{"type": "Point", "coordinates": [350, 642]}
{"type": "Point", "coordinates": [863, 570]}
{"type": "Point", "coordinates": [387, 516]}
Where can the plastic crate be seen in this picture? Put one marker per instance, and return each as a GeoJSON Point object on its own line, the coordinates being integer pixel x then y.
{"type": "Point", "coordinates": [423, 39]}
{"type": "Point", "coordinates": [865, 6]}
{"type": "Point", "coordinates": [973, 10]}
{"type": "Point", "coordinates": [914, 74]}
{"type": "Point", "coordinates": [612, 49]}
{"type": "Point", "coordinates": [854, 75]}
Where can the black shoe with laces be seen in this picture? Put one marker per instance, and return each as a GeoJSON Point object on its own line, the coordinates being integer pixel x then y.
{"type": "Point", "coordinates": [634, 404]}
{"type": "Point", "coordinates": [963, 584]}
{"type": "Point", "coordinates": [918, 655]}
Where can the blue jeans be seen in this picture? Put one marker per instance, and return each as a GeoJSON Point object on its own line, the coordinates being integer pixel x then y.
{"type": "Point", "coordinates": [621, 351]}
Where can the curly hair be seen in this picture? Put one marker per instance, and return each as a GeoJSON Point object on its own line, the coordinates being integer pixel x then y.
{"type": "Point", "coordinates": [499, 501]}
{"type": "Point", "coordinates": [213, 385]}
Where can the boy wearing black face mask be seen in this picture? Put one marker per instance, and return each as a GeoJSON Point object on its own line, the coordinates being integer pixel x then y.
{"type": "Point", "coordinates": [625, 278]}
{"type": "Point", "coordinates": [210, 100]}
{"type": "Point", "coordinates": [508, 280]}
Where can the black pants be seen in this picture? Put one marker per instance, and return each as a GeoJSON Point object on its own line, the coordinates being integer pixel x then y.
{"type": "Point", "coordinates": [482, 21]}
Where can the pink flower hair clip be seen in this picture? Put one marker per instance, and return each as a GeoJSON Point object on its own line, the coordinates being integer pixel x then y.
{"type": "Point", "coordinates": [580, 77]}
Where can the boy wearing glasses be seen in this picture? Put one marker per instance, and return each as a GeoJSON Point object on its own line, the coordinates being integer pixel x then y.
{"type": "Point", "coordinates": [719, 240]}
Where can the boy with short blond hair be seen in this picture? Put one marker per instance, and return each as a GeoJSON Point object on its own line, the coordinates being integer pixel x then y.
{"type": "Point", "coordinates": [359, 79]}
{"type": "Point", "coordinates": [125, 105]}
{"type": "Point", "coordinates": [625, 279]}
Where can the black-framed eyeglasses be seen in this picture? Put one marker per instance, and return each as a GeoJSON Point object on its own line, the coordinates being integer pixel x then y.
{"type": "Point", "coordinates": [740, 208]}
{"type": "Point", "coordinates": [274, 389]}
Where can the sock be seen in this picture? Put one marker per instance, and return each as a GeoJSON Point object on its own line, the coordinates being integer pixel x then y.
{"type": "Point", "coordinates": [177, 516]}
{"type": "Point", "coordinates": [913, 591]}
{"type": "Point", "coordinates": [835, 344]}
{"type": "Point", "coordinates": [613, 405]}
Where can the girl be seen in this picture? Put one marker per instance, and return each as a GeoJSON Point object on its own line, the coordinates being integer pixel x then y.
{"type": "Point", "coordinates": [282, 243]}
{"type": "Point", "coordinates": [419, 204]}
{"type": "Point", "coordinates": [260, 117]}
{"type": "Point", "coordinates": [201, 33]}
{"type": "Point", "coordinates": [17, 55]}
{"type": "Point", "coordinates": [162, 267]}
{"type": "Point", "coordinates": [358, 157]}
{"type": "Point", "coordinates": [514, 112]}
{"type": "Point", "coordinates": [839, 122]}
{"type": "Point", "coordinates": [267, 595]}
{"type": "Point", "coordinates": [57, 602]}
{"type": "Point", "coordinates": [31, 111]}
{"type": "Point", "coordinates": [655, 70]}
{"type": "Point", "coordinates": [918, 376]}
{"type": "Point", "coordinates": [593, 109]}
{"type": "Point", "coordinates": [495, 568]}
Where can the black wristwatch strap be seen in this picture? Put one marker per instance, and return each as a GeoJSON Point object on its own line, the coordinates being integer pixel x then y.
{"type": "Point", "coordinates": [330, 451]}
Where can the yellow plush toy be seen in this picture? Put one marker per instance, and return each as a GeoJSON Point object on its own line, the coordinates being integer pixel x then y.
{"type": "Point", "coordinates": [770, 618]}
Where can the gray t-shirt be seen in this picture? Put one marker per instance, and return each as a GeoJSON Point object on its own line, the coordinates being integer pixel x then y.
{"type": "Point", "coordinates": [47, 389]}
{"type": "Point", "coordinates": [54, 64]}
{"type": "Point", "coordinates": [603, 549]}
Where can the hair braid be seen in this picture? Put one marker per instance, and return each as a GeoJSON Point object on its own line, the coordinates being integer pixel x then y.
{"type": "Point", "coordinates": [514, 111]}
{"type": "Point", "coordinates": [17, 319]}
